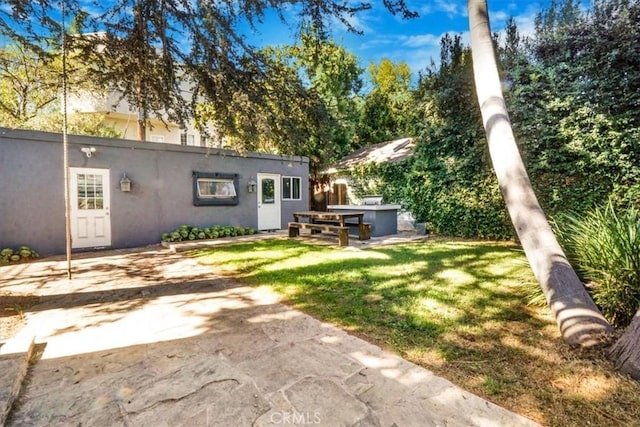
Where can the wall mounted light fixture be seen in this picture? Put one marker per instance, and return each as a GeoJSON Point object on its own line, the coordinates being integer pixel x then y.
{"type": "Point", "coordinates": [89, 151]}
{"type": "Point", "coordinates": [125, 183]}
{"type": "Point", "coordinates": [251, 186]}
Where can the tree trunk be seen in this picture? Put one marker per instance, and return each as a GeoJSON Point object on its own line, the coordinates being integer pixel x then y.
{"type": "Point", "coordinates": [141, 95]}
{"type": "Point", "coordinates": [578, 318]}
{"type": "Point", "coordinates": [142, 127]}
{"type": "Point", "coordinates": [626, 351]}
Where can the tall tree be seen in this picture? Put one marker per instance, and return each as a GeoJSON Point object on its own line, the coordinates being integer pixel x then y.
{"type": "Point", "coordinates": [577, 316]}
{"type": "Point", "coordinates": [30, 91]}
{"type": "Point", "coordinates": [333, 73]}
{"type": "Point", "coordinates": [145, 49]}
{"type": "Point", "coordinates": [28, 85]}
{"type": "Point", "coordinates": [386, 113]}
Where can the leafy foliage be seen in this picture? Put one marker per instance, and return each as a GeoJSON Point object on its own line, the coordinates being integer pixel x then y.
{"type": "Point", "coordinates": [325, 79]}
{"type": "Point", "coordinates": [451, 184]}
{"type": "Point", "coordinates": [386, 113]}
{"type": "Point", "coordinates": [574, 104]}
{"type": "Point", "coordinates": [30, 92]}
{"type": "Point", "coordinates": [604, 245]}
{"type": "Point", "coordinates": [385, 179]}
{"type": "Point", "coordinates": [28, 85]}
{"type": "Point", "coordinates": [334, 74]}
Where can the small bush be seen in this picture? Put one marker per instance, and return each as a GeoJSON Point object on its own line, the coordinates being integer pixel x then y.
{"type": "Point", "coordinates": [192, 232]}
{"type": "Point", "coordinates": [12, 256]}
{"type": "Point", "coordinates": [604, 246]}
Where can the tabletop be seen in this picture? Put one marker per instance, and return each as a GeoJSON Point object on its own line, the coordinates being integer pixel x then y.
{"type": "Point", "coordinates": [329, 216]}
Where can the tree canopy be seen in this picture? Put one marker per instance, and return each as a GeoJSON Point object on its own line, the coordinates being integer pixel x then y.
{"type": "Point", "coordinates": [386, 113]}
{"type": "Point", "coordinates": [149, 49]}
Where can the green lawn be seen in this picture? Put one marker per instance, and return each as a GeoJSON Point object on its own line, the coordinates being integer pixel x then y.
{"type": "Point", "coordinates": [457, 308]}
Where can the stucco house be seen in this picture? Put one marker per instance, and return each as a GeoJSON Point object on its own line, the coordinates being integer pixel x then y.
{"type": "Point", "coordinates": [116, 112]}
{"type": "Point", "coordinates": [168, 185]}
{"type": "Point", "coordinates": [119, 114]}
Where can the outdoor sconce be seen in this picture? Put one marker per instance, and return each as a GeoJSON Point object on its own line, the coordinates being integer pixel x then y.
{"type": "Point", "coordinates": [125, 183]}
{"type": "Point", "coordinates": [251, 186]}
{"type": "Point", "coordinates": [89, 151]}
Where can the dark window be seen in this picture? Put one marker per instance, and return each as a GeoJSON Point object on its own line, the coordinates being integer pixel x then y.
{"type": "Point", "coordinates": [291, 188]}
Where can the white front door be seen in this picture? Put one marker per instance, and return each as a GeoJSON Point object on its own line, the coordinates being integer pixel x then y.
{"type": "Point", "coordinates": [268, 201]}
{"type": "Point", "coordinates": [90, 220]}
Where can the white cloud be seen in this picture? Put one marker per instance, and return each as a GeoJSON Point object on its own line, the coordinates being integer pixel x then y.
{"type": "Point", "coordinates": [359, 22]}
{"type": "Point", "coordinates": [417, 51]}
{"type": "Point", "coordinates": [524, 20]}
{"type": "Point", "coordinates": [420, 40]}
{"type": "Point", "coordinates": [499, 16]}
{"type": "Point", "coordinates": [453, 9]}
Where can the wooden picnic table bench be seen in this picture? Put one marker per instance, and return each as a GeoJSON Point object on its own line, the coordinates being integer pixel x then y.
{"type": "Point", "coordinates": [342, 232]}
{"type": "Point", "coordinates": [335, 222]}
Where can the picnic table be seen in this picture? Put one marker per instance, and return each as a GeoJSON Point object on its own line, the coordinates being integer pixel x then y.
{"type": "Point", "coordinates": [318, 221]}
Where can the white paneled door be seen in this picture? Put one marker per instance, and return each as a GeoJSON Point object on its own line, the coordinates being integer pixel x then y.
{"type": "Point", "coordinates": [90, 220]}
{"type": "Point", "coordinates": [269, 199]}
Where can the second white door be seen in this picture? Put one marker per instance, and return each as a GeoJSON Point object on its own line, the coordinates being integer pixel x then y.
{"type": "Point", "coordinates": [269, 197]}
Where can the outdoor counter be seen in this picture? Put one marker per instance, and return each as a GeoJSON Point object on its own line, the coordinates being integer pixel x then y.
{"type": "Point", "coordinates": [383, 218]}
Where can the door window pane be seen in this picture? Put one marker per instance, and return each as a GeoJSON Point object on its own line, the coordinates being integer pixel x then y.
{"type": "Point", "coordinates": [286, 188]}
{"type": "Point", "coordinates": [268, 190]}
{"type": "Point", "coordinates": [90, 192]}
{"type": "Point", "coordinates": [296, 188]}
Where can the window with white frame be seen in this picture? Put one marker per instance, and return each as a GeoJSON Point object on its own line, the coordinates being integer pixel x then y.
{"type": "Point", "coordinates": [212, 188]}
{"type": "Point", "coordinates": [157, 138]}
{"type": "Point", "coordinates": [291, 188]}
{"type": "Point", "coordinates": [209, 188]}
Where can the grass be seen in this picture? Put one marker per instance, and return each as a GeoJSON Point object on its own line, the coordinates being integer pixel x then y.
{"type": "Point", "coordinates": [457, 308]}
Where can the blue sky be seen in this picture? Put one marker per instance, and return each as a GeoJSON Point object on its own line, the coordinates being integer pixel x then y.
{"type": "Point", "coordinates": [413, 41]}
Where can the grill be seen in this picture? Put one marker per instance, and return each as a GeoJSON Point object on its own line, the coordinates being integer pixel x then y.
{"type": "Point", "coordinates": [372, 200]}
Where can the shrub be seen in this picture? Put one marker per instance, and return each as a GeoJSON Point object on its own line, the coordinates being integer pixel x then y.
{"type": "Point", "coordinates": [604, 247]}
{"type": "Point", "coordinates": [192, 232]}
{"type": "Point", "coordinates": [11, 256]}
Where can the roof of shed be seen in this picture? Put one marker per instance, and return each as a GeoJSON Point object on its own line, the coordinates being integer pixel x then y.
{"type": "Point", "coordinates": [384, 152]}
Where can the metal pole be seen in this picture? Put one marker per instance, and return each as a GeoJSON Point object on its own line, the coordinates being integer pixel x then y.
{"type": "Point", "coordinates": [65, 145]}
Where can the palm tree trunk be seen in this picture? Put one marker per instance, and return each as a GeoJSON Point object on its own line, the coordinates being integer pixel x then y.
{"type": "Point", "coordinates": [626, 352]}
{"type": "Point", "coordinates": [578, 318]}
